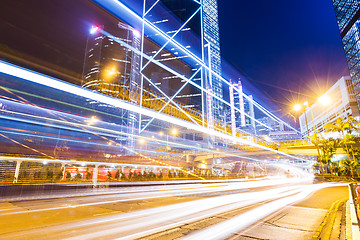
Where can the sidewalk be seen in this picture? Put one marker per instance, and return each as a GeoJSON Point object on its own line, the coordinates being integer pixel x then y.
{"type": "Point", "coordinates": [323, 215]}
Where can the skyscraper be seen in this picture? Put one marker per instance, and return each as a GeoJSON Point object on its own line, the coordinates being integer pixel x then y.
{"type": "Point", "coordinates": [109, 67]}
{"type": "Point", "coordinates": [113, 69]}
{"type": "Point", "coordinates": [212, 41]}
{"type": "Point", "coordinates": [347, 15]}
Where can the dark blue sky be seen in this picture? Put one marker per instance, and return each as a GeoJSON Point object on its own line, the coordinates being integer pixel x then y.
{"type": "Point", "coordinates": [290, 49]}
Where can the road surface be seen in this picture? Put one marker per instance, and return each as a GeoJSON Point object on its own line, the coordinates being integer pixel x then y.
{"type": "Point", "coordinates": [211, 211]}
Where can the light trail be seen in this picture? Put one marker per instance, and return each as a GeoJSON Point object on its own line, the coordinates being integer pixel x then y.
{"type": "Point", "coordinates": [159, 192]}
{"type": "Point", "coordinates": [114, 5]}
{"type": "Point", "coordinates": [99, 131]}
{"type": "Point", "coordinates": [227, 228]}
{"type": "Point", "coordinates": [142, 222]}
{"type": "Point", "coordinates": [69, 88]}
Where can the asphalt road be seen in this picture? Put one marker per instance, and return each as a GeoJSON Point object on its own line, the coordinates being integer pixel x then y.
{"type": "Point", "coordinates": [191, 211]}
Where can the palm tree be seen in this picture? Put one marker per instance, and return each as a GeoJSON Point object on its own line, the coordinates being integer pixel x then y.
{"type": "Point", "coordinates": [336, 167]}
{"type": "Point", "coordinates": [342, 127]}
{"type": "Point", "coordinates": [346, 167]}
{"type": "Point", "coordinates": [328, 148]}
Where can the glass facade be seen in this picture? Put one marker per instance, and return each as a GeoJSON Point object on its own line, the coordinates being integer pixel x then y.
{"type": "Point", "coordinates": [347, 14]}
{"type": "Point", "coordinates": [345, 11]}
{"type": "Point", "coordinates": [351, 43]}
{"type": "Point", "coordinates": [211, 37]}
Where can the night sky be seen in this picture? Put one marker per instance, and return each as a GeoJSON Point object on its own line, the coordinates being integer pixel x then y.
{"type": "Point", "coordinates": [289, 49]}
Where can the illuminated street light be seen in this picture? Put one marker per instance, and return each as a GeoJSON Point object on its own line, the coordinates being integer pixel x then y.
{"type": "Point", "coordinates": [297, 107]}
{"type": "Point", "coordinates": [174, 131]}
{"type": "Point", "coordinates": [94, 29]}
{"type": "Point", "coordinates": [324, 100]}
{"type": "Point", "coordinates": [110, 72]}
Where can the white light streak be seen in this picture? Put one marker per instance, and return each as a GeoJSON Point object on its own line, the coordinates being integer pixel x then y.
{"type": "Point", "coordinates": [69, 88]}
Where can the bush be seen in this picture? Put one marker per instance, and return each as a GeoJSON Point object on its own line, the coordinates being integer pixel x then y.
{"type": "Point", "coordinates": [88, 175]}
{"type": "Point", "coordinates": [68, 175]}
{"type": "Point", "coordinates": [109, 176]}
{"type": "Point", "coordinates": [117, 175]}
{"type": "Point", "coordinates": [78, 176]}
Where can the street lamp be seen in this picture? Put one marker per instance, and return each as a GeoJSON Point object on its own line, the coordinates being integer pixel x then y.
{"type": "Point", "coordinates": [298, 107]}
{"type": "Point", "coordinates": [172, 132]}
{"type": "Point", "coordinates": [323, 100]}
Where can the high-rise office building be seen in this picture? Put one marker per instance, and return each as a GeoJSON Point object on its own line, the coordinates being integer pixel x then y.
{"type": "Point", "coordinates": [113, 69]}
{"type": "Point", "coordinates": [347, 15]}
{"type": "Point", "coordinates": [200, 35]}
{"type": "Point", "coordinates": [212, 41]}
{"type": "Point", "coordinates": [181, 59]}
{"type": "Point", "coordinates": [110, 67]}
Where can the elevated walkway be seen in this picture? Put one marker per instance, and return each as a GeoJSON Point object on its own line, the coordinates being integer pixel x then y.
{"type": "Point", "coordinates": [308, 149]}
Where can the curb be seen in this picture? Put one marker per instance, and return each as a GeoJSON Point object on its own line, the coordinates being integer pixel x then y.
{"type": "Point", "coordinates": [353, 217]}
{"type": "Point", "coordinates": [333, 209]}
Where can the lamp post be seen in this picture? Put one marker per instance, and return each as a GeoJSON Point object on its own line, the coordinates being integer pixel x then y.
{"type": "Point", "coordinates": [298, 107]}
{"type": "Point", "coordinates": [172, 132]}
{"type": "Point", "coordinates": [313, 122]}
{"type": "Point", "coordinates": [323, 100]}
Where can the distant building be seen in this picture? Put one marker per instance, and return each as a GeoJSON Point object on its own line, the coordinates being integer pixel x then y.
{"type": "Point", "coordinates": [272, 126]}
{"type": "Point", "coordinates": [110, 67]}
{"type": "Point", "coordinates": [347, 15]}
{"type": "Point", "coordinates": [343, 104]}
{"type": "Point", "coordinates": [240, 115]}
{"type": "Point", "coordinates": [208, 29]}
{"type": "Point", "coordinates": [113, 69]}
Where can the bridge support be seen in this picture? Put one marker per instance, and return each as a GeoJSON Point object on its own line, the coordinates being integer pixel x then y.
{"type": "Point", "coordinates": [17, 170]}
{"type": "Point", "coordinates": [95, 175]}
{"type": "Point", "coordinates": [63, 171]}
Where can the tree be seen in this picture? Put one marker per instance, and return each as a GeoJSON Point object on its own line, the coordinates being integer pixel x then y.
{"type": "Point", "coordinates": [336, 167]}
{"type": "Point", "coordinates": [109, 176]}
{"type": "Point", "coordinates": [145, 175]}
{"type": "Point", "coordinates": [59, 175]}
{"type": "Point", "coordinates": [342, 127]}
{"type": "Point", "coordinates": [68, 175]}
{"type": "Point", "coordinates": [88, 174]}
{"type": "Point", "coordinates": [78, 176]}
{"type": "Point", "coordinates": [328, 149]}
{"type": "Point", "coordinates": [117, 175]}
{"type": "Point", "coordinates": [122, 177]}
{"type": "Point", "coordinates": [135, 176]}
{"type": "Point", "coordinates": [345, 167]}
{"type": "Point", "coordinates": [130, 175]}
{"type": "Point", "coordinates": [49, 174]}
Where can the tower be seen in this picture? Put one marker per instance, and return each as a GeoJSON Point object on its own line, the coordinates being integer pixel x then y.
{"type": "Point", "coordinates": [113, 69]}
{"type": "Point", "coordinates": [348, 18]}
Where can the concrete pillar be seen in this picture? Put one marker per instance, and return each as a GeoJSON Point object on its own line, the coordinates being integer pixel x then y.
{"type": "Point", "coordinates": [17, 170]}
{"type": "Point", "coordinates": [95, 175]}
